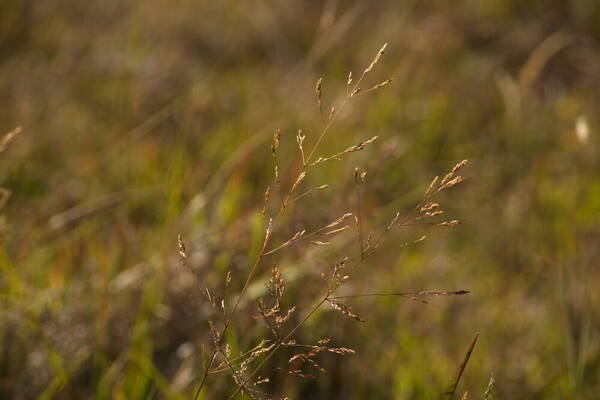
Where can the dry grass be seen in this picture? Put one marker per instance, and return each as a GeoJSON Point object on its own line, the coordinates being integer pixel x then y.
{"type": "Point", "coordinates": [246, 368]}
{"type": "Point", "coordinates": [145, 121]}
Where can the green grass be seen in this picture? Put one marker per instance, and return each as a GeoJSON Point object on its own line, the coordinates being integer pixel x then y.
{"type": "Point", "coordinates": [150, 119]}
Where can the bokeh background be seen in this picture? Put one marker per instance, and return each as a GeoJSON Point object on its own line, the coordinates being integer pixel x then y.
{"type": "Point", "coordinates": [145, 119]}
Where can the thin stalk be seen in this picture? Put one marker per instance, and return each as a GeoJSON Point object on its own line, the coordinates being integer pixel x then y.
{"type": "Point", "coordinates": [305, 166]}
{"type": "Point", "coordinates": [259, 257]}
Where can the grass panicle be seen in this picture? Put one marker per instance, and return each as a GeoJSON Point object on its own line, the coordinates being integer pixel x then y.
{"type": "Point", "coordinates": [283, 322]}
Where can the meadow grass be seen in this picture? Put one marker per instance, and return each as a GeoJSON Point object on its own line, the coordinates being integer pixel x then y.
{"type": "Point", "coordinates": [142, 122]}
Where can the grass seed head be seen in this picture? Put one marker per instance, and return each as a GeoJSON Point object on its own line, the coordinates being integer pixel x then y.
{"type": "Point", "coordinates": [459, 166]}
{"type": "Point", "coordinates": [376, 59]}
{"type": "Point", "coordinates": [9, 137]}
{"type": "Point", "coordinates": [318, 92]}
{"type": "Point", "coordinates": [432, 185]}
{"type": "Point", "coordinates": [266, 201]}
{"type": "Point", "coordinates": [275, 144]}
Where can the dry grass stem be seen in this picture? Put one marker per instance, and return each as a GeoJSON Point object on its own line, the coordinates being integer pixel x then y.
{"type": "Point", "coordinates": [270, 311]}
{"type": "Point", "coordinates": [377, 86]}
{"type": "Point", "coordinates": [309, 191]}
{"type": "Point", "coordinates": [303, 235]}
{"type": "Point", "coordinates": [351, 149]}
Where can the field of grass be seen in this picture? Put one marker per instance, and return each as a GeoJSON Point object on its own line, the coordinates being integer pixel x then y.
{"type": "Point", "coordinates": [145, 121]}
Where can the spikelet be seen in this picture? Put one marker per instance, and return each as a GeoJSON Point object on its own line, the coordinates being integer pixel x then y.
{"type": "Point", "coordinates": [429, 206]}
{"type": "Point", "coordinates": [298, 181]}
{"type": "Point", "coordinates": [277, 180]}
{"type": "Point", "coordinates": [338, 230]}
{"type": "Point", "coordinates": [420, 239]}
{"type": "Point", "coordinates": [447, 178]}
{"type": "Point", "coordinates": [413, 241]}
{"type": "Point", "coordinates": [182, 251]}
{"type": "Point", "coordinates": [431, 186]}
{"type": "Point", "coordinates": [261, 348]}
{"type": "Point", "coordinates": [298, 235]}
{"type": "Point", "coordinates": [454, 222]}
{"type": "Point", "coordinates": [489, 391]}
{"type": "Point", "coordinates": [341, 350]}
{"type": "Point", "coordinates": [451, 183]}
{"type": "Point", "coordinates": [377, 86]}
{"type": "Point", "coordinates": [300, 140]}
{"type": "Point", "coordinates": [276, 285]}
{"type": "Point", "coordinates": [319, 92]}
{"type": "Point", "coordinates": [269, 229]}
{"type": "Point", "coordinates": [459, 166]}
{"type": "Point", "coordinates": [361, 145]}
{"type": "Point", "coordinates": [275, 143]}
{"type": "Point", "coordinates": [344, 309]}
{"type": "Point", "coordinates": [451, 179]}
{"type": "Point", "coordinates": [359, 175]}
{"type": "Point", "coordinates": [275, 153]}
{"type": "Point", "coordinates": [351, 149]}
{"type": "Point", "coordinates": [281, 319]}
{"type": "Point", "coordinates": [216, 337]}
{"type": "Point", "coordinates": [376, 59]}
{"type": "Point", "coordinates": [442, 292]}
{"type": "Point", "coordinates": [260, 380]}
{"type": "Point", "coordinates": [266, 201]}
{"type": "Point", "coordinates": [9, 138]}
{"type": "Point", "coordinates": [338, 221]}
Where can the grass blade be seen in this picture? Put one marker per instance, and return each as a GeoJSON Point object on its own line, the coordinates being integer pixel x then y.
{"type": "Point", "coordinates": [449, 395]}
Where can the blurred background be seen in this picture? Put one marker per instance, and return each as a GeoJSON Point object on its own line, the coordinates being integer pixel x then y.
{"type": "Point", "coordinates": [142, 120]}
